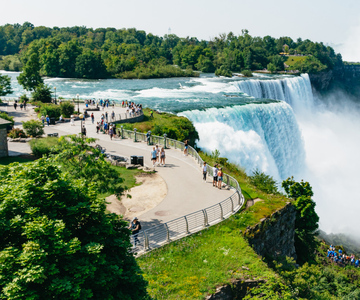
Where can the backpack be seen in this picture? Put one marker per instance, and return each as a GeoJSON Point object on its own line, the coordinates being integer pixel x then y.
{"type": "Point", "coordinates": [139, 225]}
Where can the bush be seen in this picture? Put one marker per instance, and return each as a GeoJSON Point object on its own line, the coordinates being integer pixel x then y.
{"type": "Point", "coordinates": [264, 182]}
{"type": "Point", "coordinates": [16, 133]}
{"type": "Point", "coordinates": [5, 116]}
{"type": "Point", "coordinates": [44, 146]}
{"type": "Point", "coordinates": [67, 109]}
{"type": "Point", "coordinates": [52, 110]}
{"type": "Point", "coordinates": [33, 128]}
{"type": "Point", "coordinates": [247, 73]}
{"type": "Point", "coordinates": [223, 71]}
{"type": "Point", "coordinates": [42, 93]}
{"type": "Point", "coordinates": [24, 98]}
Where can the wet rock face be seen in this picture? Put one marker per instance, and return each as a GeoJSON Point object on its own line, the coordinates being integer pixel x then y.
{"type": "Point", "coordinates": [274, 236]}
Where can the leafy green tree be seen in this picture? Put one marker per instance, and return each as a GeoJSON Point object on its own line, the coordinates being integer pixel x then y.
{"type": "Point", "coordinates": [306, 223]}
{"type": "Point", "coordinates": [30, 78]}
{"type": "Point", "coordinates": [42, 92]}
{"type": "Point", "coordinates": [271, 67]}
{"type": "Point", "coordinates": [67, 109]}
{"type": "Point", "coordinates": [5, 85]}
{"type": "Point", "coordinates": [58, 242]}
{"type": "Point", "coordinates": [264, 182]}
{"type": "Point", "coordinates": [90, 65]}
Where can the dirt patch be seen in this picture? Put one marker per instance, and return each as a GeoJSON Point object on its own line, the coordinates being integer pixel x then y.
{"type": "Point", "coordinates": [144, 197]}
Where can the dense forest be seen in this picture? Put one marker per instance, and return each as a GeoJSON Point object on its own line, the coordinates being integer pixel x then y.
{"type": "Point", "coordinates": [83, 52]}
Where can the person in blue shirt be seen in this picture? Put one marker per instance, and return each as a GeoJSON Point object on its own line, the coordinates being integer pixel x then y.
{"type": "Point", "coordinates": [357, 263]}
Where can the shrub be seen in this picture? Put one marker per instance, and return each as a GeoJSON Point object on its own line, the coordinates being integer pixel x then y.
{"type": "Point", "coordinates": [16, 133]}
{"type": "Point", "coordinates": [42, 93]}
{"type": "Point", "coordinates": [5, 116]}
{"type": "Point", "coordinates": [67, 109]}
{"type": "Point", "coordinates": [33, 128]}
{"type": "Point", "coordinates": [247, 73]}
{"type": "Point", "coordinates": [264, 182]}
{"type": "Point", "coordinates": [223, 71]}
{"type": "Point", "coordinates": [52, 110]}
{"type": "Point", "coordinates": [24, 98]}
{"type": "Point", "coordinates": [44, 146]}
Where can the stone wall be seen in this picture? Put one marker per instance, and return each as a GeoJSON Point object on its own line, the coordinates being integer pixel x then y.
{"type": "Point", "coordinates": [274, 236]}
{"type": "Point", "coordinates": [130, 120]}
{"type": "Point", "coordinates": [3, 143]}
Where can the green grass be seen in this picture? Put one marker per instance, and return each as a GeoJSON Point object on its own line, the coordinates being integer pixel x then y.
{"type": "Point", "coordinates": [11, 159]}
{"type": "Point", "coordinates": [292, 59]}
{"type": "Point", "coordinates": [194, 266]}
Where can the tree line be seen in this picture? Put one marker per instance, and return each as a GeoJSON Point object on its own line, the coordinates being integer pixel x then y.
{"type": "Point", "coordinates": [81, 52]}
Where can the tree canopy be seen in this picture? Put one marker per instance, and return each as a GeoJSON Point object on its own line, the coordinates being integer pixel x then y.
{"type": "Point", "coordinates": [126, 53]}
{"type": "Point", "coordinates": [57, 242]}
{"type": "Point", "coordinates": [5, 85]}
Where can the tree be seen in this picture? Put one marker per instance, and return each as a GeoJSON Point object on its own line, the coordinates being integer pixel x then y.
{"type": "Point", "coordinates": [57, 241]}
{"type": "Point", "coordinates": [42, 93]}
{"type": "Point", "coordinates": [33, 128]}
{"type": "Point", "coordinates": [271, 67]}
{"type": "Point", "coordinates": [5, 85]}
{"type": "Point", "coordinates": [30, 78]}
{"type": "Point", "coordinates": [306, 223]}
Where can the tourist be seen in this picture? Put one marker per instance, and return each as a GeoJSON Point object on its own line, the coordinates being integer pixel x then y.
{"type": "Point", "coordinates": [83, 130]}
{"type": "Point", "coordinates": [15, 104]}
{"type": "Point", "coordinates": [113, 116]}
{"type": "Point", "coordinates": [157, 154]}
{"type": "Point", "coordinates": [106, 116]}
{"type": "Point", "coordinates": [204, 171]}
{"type": "Point", "coordinates": [148, 135]}
{"type": "Point", "coordinates": [111, 132]}
{"type": "Point", "coordinates": [220, 177]}
{"type": "Point", "coordinates": [61, 119]}
{"type": "Point", "coordinates": [47, 120]}
{"type": "Point", "coordinates": [162, 157]}
{"type": "Point", "coordinates": [186, 146]}
{"type": "Point", "coordinates": [215, 175]}
{"type": "Point", "coordinates": [21, 106]}
{"type": "Point", "coordinates": [153, 156]}
{"type": "Point", "coordinates": [92, 118]}
{"type": "Point", "coordinates": [42, 118]}
{"type": "Point", "coordinates": [97, 127]}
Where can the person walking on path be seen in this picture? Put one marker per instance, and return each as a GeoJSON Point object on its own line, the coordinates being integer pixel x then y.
{"type": "Point", "coordinates": [111, 132]}
{"type": "Point", "coordinates": [157, 154]}
{"type": "Point", "coordinates": [15, 104]}
{"type": "Point", "coordinates": [215, 175]}
{"type": "Point", "coordinates": [186, 144]}
{"type": "Point", "coordinates": [162, 157]}
{"type": "Point", "coordinates": [83, 130]}
{"type": "Point", "coordinates": [135, 227]}
{"type": "Point", "coordinates": [153, 156]}
{"type": "Point", "coordinates": [42, 118]}
{"type": "Point", "coordinates": [92, 118]}
{"type": "Point", "coordinates": [48, 120]}
{"type": "Point", "coordinates": [220, 177]}
{"type": "Point", "coordinates": [204, 171]}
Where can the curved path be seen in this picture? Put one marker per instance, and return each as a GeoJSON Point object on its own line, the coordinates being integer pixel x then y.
{"type": "Point", "coordinates": [187, 192]}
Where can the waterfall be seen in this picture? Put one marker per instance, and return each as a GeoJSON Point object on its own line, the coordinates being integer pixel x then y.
{"type": "Point", "coordinates": [262, 136]}
{"type": "Point", "coordinates": [296, 90]}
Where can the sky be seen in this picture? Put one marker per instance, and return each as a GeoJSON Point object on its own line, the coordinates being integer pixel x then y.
{"type": "Point", "coordinates": [333, 22]}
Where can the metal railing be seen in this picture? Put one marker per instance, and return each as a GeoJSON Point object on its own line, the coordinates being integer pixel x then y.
{"type": "Point", "coordinates": [165, 233]}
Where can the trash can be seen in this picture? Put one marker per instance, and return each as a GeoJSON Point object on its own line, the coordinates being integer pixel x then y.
{"type": "Point", "coordinates": [140, 160]}
{"type": "Point", "coordinates": [52, 121]}
{"type": "Point", "coordinates": [134, 160]}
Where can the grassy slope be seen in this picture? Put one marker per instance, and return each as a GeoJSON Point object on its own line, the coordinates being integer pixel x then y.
{"type": "Point", "coordinates": [292, 59]}
{"type": "Point", "coordinates": [194, 266]}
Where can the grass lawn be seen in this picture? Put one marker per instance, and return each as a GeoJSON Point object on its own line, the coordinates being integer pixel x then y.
{"type": "Point", "coordinates": [292, 59]}
{"type": "Point", "coordinates": [10, 159]}
{"type": "Point", "coordinates": [195, 265]}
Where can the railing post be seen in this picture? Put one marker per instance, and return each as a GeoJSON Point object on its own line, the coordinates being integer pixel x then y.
{"type": "Point", "coordinates": [165, 140]}
{"type": "Point", "coordinates": [146, 242]}
{"type": "Point", "coordinates": [167, 233]}
{"type": "Point", "coordinates": [122, 132]}
{"type": "Point", "coordinates": [206, 220]}
{"type": "Point", "coordinates": [221, 212]}
{"type": "Point", "coordinates": [227, 179]}
{"type": "Point", "coordinates": [187, 225]}
{"type": "Point", "coordinates": [135, 134]}
{"type": "Point", "coordinates": [232, 204]}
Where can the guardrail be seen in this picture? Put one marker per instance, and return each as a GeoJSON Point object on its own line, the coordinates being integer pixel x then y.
{"type": "Point", "coordinates": [165, 233]}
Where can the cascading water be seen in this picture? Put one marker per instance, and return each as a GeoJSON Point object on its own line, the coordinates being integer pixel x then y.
{"type": "Point", "coordinates": [262, 136]}
{"type": "Point", "coordinates": [296, 91]}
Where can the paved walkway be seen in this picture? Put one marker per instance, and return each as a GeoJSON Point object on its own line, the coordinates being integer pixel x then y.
{"type": "Point", "coordinates": [187, 192]}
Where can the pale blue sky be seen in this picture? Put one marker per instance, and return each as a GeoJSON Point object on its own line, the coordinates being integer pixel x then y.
{"type": "Point", "coordinates": [330, 21]}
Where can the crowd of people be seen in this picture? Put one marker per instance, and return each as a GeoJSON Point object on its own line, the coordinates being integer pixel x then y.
{"type": "Point", "coordinates": [132, 109]}
{"type": "Point", "coordinates": [158, 156]}
{"type": "Point", "coordinates": [341, 258]}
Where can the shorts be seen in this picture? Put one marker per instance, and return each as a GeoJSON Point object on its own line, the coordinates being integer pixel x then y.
{"type": "Point", "coordinates": [215, 178]}
{"type": "Point", "coordinates": [220, 178]}
{"type": "Point", "coordinates": [154, 158]}
{"type": "Point", "coordinates": [162, 156]}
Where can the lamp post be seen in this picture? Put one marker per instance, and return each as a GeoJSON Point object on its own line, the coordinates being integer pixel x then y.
{"type": "Point", "coordinates": [77, 96]}
{"type": "Point", "coordinates": [55, 94]}
{"type": "Point", "coordinates": [135, 134]}
{"type": "Point", "coordinates": [165, 140]}
{"type": "Point", "coordinates": [81, 123]}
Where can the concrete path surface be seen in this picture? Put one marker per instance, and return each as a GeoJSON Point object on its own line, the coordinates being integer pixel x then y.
{"type": "Point", "coordinates": [187, 192]}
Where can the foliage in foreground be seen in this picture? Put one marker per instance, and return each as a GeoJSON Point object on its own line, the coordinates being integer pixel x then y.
{"type": "Point", "coordinates": [5, 85]}
{"type": "Point", "coordinates": [56, 241]}
{"type": "Point", "coordinates": [6, 117]}
{"type": "Point", "coordinates": [16, 133]}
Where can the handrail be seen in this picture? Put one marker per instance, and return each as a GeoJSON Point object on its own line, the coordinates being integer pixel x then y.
{"type": "Point", "coordinates": [165, 233]}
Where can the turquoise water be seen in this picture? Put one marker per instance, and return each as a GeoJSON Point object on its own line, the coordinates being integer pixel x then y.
{"type": "Point", "coordinates": [170, 94]}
